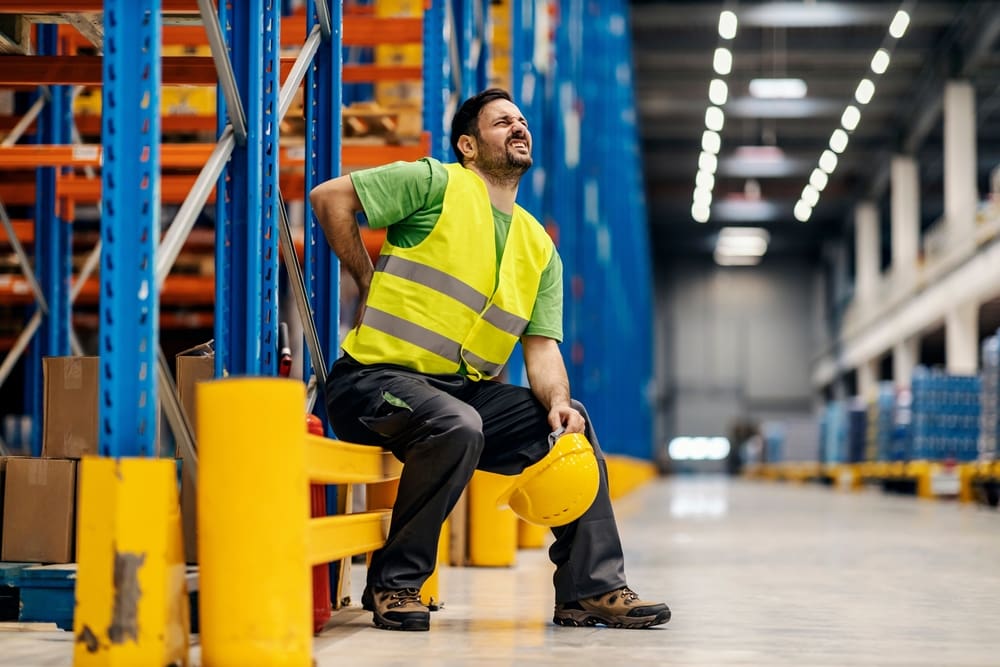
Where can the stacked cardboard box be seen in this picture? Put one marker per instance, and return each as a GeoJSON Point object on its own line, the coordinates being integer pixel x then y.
{"type": "Point", "coordinates": [39, 494]}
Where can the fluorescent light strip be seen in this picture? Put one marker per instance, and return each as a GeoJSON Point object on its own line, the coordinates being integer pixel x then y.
{"type": "Point", "coordinates": [715, 120]}
{"type": "Point", "coordinates": [778, 89]}
{"type": "Point", "coordinates": [849, 121]}
{"type": "Point", "coordinates": [899, 24]}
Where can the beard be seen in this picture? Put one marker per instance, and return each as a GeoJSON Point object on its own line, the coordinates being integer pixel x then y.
{"type": "Point", "coordinates": [504, 166]}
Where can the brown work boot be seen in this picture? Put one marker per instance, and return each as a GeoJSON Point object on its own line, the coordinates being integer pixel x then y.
{"type": "Point", "coordinates": [399, 609]}
{"type": "Point", "coordinates": [620, 608]}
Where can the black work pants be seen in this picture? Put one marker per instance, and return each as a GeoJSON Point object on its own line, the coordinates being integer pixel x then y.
{"type": "Point", "coordinates": [444, 427]}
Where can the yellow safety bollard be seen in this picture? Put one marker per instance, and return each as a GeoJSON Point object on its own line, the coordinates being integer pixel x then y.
{"type": "Point", "coordinates": [492, 532]}
{"type": "Point", "coordinates": [131, 595]}
{"type": "Point", "coordinates": [253, 499]}
{"type": "Point", "coordinates": [530, 536]}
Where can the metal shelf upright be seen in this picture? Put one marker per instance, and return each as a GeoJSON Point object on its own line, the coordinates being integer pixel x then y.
{"type": "Point", "coordinates": [53, 239]}
{"type": "Point", "coordinates": [323, 102]}
{"type": "Point", "coordinates": [246, 325]}
{"type": "Point", "coordinates": [130, 228]}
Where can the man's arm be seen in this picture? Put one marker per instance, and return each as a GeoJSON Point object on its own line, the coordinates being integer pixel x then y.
{"type": "Point", "coordinates": [549, 382]}
{"type": "Point", "coordinates": [336, 205]}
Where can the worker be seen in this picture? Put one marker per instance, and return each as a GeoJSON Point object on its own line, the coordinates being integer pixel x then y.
{"type": "Point", "coordinates": [463, 275]}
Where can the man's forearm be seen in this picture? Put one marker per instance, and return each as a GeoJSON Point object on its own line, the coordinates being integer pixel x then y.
{"type": "Point", "coordinates": [336, 206]}
{"type": "Point", "coordinates": [546, 372]}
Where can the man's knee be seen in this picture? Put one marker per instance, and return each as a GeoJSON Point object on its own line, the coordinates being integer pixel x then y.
{"type": "Point", "coordinates": [459, 432]}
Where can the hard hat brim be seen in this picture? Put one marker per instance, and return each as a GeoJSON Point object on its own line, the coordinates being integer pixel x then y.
{"type": "Point", "coordinates": [536, 468]}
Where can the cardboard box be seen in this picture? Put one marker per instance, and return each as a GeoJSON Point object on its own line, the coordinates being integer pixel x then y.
{"type": "Point", "coordinates": [194, 365]}
{"type": "Point", "coordinates": [38, 511]}
{"type": "Point", "coordinates": [70, 419]}
{"type": "Point", "coordinates": [3, 480]}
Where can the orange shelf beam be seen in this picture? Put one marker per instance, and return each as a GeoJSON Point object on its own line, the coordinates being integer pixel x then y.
{"type": "Point", "coordinates": [176, 70]}
{"type": "Point", "coordinates": [193, 156]}
{"type": "Point", "coordinates": [358, 31]}
{"type": "Point", "coordinates": [24, 230]}
{"type": "Point", "coordinates": [61, 6]}
{"type": "Point", "coordinates": [89, 124]}
{"type": "Point", "coordinates": [178, 290]}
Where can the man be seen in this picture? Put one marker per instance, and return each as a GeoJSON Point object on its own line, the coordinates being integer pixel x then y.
{"type": "Point", "coordinates": [464, 274]}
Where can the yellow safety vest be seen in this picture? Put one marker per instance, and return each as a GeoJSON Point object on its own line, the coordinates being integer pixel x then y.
{"type": "Point", "coordinates": [439, 304]}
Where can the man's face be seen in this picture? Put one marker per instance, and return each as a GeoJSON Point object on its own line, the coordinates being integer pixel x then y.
{"type": "Point", "coordinates": [504, 140]}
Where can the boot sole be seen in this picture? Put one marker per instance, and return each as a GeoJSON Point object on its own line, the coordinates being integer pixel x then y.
{"type": "Point", "coordinates": [585, 619]}
{"type": "Point", "coordinates": [409, 625]}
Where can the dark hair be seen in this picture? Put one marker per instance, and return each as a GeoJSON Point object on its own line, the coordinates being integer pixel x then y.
{"type": "Point", "coordinates": [466, 120]}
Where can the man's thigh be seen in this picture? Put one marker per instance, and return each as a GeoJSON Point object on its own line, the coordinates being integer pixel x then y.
{"type": "Point", "coordinates": [515, 426]}
{"type": "Point", "coordinates": [387, 406]}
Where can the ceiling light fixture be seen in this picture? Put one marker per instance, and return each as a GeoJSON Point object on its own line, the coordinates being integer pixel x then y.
{"type": "Point", "coordinates": [828, 161]}
{"type": "Point", "coordinates": [838, 141]}
{"type": "Point", "coordinates": [727, 25]}
{"type": "Point", "coordinates": [723, 61]}
{"type": "Point", "coordinates": [899, 24]}
{"type": "Point", "coordinates": [742, 241]}
{"type": "Point", "coordinates": [810, 195]}
{"type": "Point", "coordinates": [850, 118]}
{"type": "Point", "coordinates": [711, 142]}
{"type": "Point", "coordinates": [802, 211]}
{"type": "Point", "coordinates": [818, 179]}
{"type": "Point", "coordinates": [778, 89]}
{"type": "Point", "coordinates": [714, 119]}
{"type": "Point", "coordinates": [880, 61]}
{"type": "Point", "coordinates": [865, 91]}
{"type": "Point", "coordinates": [718, 92]}
{"type": "Point", "coordinates": [708, 162]}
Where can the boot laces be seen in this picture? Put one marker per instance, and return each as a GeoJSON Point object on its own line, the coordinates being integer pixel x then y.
{"type": "Point", "coordinates": [629, 596]}
{"type": "Point", "coordinates": [405, 596]}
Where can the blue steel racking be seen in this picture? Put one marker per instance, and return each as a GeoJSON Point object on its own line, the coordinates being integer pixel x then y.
{"type": "Point", "coordinates": [588, 187]}
{"type": "Point", "coordinates": [130, 228]}
{"type": "Point", "coordinates": [53, 238]}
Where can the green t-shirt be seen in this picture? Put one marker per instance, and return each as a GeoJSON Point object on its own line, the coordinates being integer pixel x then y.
{"type": "Point", "coordinates": [406, 199]}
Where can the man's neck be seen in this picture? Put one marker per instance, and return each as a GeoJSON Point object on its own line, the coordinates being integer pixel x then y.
{"type": "Point", "coordinates": [502, 192]}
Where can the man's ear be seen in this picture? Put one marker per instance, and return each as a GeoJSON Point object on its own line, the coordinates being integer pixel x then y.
{"type": "Point", "coordinates": [467, 146]}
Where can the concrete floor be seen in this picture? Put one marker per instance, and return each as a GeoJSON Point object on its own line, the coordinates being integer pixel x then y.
{"type": "Point", "coordinates": [756, 573]}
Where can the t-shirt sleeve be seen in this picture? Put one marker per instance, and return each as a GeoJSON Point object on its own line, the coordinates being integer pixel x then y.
{"type": "Point", "coordinates": [546, 318]}
{"type": "Point", "coordinates": [393, 192]}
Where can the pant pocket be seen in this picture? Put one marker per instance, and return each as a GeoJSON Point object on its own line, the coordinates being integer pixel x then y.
{"type": "Point", "coordinates": [390, 418]}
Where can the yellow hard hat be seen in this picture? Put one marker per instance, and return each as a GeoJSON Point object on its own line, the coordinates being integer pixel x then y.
{"type": "Point", "coordinates": [558, 489]}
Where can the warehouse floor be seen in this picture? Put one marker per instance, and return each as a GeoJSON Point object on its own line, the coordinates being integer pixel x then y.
{"type": "Point", "coordinates": [756, 574]}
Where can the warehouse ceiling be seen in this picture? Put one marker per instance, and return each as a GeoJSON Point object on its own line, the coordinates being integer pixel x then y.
{"type": "Point", "coordinates": [770, 147]}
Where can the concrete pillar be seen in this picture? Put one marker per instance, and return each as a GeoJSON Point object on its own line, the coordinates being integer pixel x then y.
{"type": "Point", "coordinates": [905, 356]}
{"type": "Point", "coordinates": [960, 190]}
{"type": "Point", "coordinates": [905, 217]}
{"type": "Point", "coordinates": [961, 337]}
{"type": "Point", "coordinates": [867, 252]}
{"type": "Point", "coordinates": [868, 379]}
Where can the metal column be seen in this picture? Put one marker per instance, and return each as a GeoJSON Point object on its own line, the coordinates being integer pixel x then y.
{"type": "Point", "coordinates": [53, 244]}
{"type": "Point", "coordinates": [321, 270]}
{"type": "Point", "coordinates": [437, 75]}
{"type": "Point", "coordinates": [247, 214]}
{"type": "Point", "coordinates": [130, 227]}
